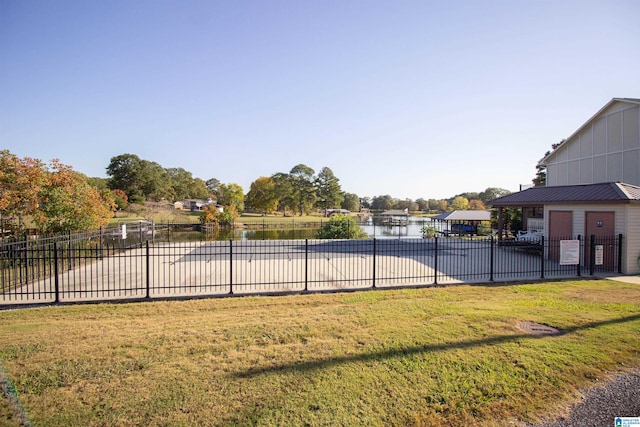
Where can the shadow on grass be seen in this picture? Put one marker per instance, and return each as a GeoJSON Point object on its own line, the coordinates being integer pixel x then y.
{"type": "Point", "coordinates": [428, 348]}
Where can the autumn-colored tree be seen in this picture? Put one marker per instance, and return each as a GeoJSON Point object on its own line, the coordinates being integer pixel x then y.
{"type": "Point", "coordinates": [120, 198]}
{"type": "Point", "coordinates": [476, 205]}
{"type": "Point", "coordinates": [262, 196]}
{"type": "Point", "coordinates": [21, 181]}
{"type": "Point", "coordinates": [209, 215]}
{"type": "Point", "coordinates": [69, 203]}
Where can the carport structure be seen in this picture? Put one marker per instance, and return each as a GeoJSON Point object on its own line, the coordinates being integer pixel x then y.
{"type": "Point", "coordinates": [463, 221]}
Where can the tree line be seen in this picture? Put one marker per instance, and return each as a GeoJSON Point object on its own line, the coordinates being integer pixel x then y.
{"type": "Point", "coordinates": [299, 191]}
{"type": "Point", "coordinates": [56, 198]}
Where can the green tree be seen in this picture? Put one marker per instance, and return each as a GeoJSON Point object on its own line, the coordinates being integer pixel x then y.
{"type": "Point", "coordinates": [181, 183]}
{"type": "Point", "coordinates": [125, 172]}
{"type": "Point", "coordinates": [351, 202]}
{"type": "Point", "coordinates": [156, 182]}
{"type": "Point", "coordinates": [304, 190]}
{"type": "Point", "coordinates": [460, 203]}
{"type": "Point", "coordinates": [198, 189]}
{"type": "Point", "coordinates": [228, 216]}
{"type": "Point", "coordinates": [329, 193]}
{"type": "Point", "coordinates": [213, 185]}
{"type": "Point", "coordinates": [434, 205]}
{"type": "Point", "coordinates": [231, 195]}
{"type": "Point", "coordinates": [382, 203]}
{"type": "Point", "coordinates": [423, 204]}
{"type": "Point", "coordinates": [408, 204]}
{"type": "Point", "coordinates": [341, 227]}
{"type": "Point", "coordinates": [99, 183]}
{"type": "Point", "coordinates": [262, 196]}
{"type": "Point", "coordinates": [540, 180]}
{"type": "Point", "coordinates": [492, 193]}
{"type": "Point", "coordinates": [284, 191]}
{"type": "Point", "coordinates": [120, 199]}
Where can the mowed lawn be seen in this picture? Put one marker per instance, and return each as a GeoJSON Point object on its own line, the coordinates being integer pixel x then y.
{"type": "Point", "coordinates": [433, 356]}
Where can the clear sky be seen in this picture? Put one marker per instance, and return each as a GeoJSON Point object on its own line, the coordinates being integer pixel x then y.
{"type": "Point", "coordinates": [408, 98]}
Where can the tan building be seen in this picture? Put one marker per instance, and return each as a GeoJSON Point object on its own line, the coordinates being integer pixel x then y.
{"type": "Point", "coordinates": [605, 149]}
{"type": "Point", "coordinates": [593, 184]}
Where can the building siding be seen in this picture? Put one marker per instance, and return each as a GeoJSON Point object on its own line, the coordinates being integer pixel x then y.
{"type": "Point", "coordinates": [631, 245]}
{"type": "Point", "coordinates": [627, 223]}
{"type": "Point", "coordinates": [606, 150]}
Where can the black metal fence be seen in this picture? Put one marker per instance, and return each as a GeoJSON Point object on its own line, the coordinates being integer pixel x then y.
{"type": "Point", "coordinates": [97, 267]}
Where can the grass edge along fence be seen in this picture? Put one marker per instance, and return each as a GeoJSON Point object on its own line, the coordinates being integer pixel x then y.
{"type": "Point", "coordinates": [68, 271]}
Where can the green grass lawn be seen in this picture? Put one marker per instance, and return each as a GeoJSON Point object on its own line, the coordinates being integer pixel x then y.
{"type": "Point", "coordinates": [432, 356]}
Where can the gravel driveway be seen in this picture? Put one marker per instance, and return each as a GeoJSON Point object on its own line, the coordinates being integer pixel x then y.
{"type": "Point", "coordinates": [619, 397]}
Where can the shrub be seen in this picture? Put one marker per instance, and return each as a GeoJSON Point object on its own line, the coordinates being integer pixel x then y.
{"type": "Point", "coordinates": [341, 227]}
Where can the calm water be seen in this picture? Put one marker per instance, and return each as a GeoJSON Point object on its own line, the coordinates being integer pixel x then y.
{"type": "Point", "coordinates": [374, 228]}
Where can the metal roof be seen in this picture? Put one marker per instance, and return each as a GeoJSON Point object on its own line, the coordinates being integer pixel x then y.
{"type": "Point", "coordinates": [461, 215]}
{"type": "Point", "coordinates": [607, 192]}
{"type": "Point", "coordinates": [396, 213]}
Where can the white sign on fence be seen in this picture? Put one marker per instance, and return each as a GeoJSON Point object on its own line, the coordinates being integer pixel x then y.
{"type": "Point", "coordinates": [124, 231]}
{"type": "Point", "coordinates": [569, 252]}
{"type": "Point", "coordinates": [599, 249]}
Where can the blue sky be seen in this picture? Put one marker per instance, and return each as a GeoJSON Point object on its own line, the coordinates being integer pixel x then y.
{"type": "Point", "coordinates": [407, 98]}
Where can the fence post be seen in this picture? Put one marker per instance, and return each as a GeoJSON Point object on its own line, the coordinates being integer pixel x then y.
{"type": "Point", "coordinates": [101, 242]}
{"type": "Point", "coordinates": [580, 257]}
{"type": "Point", "coordinates": [231, 266]}
{"type": "Point", "coordinates": [491, 260]}
{"type": "Point", "coordinates": [306, 265]}
{"type": "Point", "coordinates": [435, 260]}
{"type": "Point", "coordinates": [620, 253]}
{"type": "Point", "coordinates": [148, 275]}
{"type": "Point", "coordinates": [374, 264]}
{"type": "Point", "coordinates": [542, 242]}
{"type": "Point", "coordinates": [592, 254]}
{"type": "Point", "coordinates": [55, 272]}
{"type": "Point", "coordinates": [26, 258]}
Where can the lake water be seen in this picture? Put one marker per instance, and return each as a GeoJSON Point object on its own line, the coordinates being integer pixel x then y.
{"type": "Point", "coordinates": [374, 228]}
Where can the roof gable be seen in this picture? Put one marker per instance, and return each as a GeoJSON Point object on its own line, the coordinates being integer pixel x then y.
{"type": "Point", "coordinates": [571, 138]}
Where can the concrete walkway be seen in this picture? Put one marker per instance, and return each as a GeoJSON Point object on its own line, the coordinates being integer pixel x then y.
{"type": "Point", "coordinates": [626, 279]}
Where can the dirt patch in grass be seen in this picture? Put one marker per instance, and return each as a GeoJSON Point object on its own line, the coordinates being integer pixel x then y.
{"type": "Point", "coordinates": [538, 329]}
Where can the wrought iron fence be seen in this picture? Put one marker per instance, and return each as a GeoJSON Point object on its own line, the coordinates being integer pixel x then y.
{"type": "Point", "coordinates": [97, 267]}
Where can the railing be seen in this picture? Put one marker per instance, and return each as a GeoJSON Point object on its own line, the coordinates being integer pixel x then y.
{"type": "Point", "coordinates": [99, 269]}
